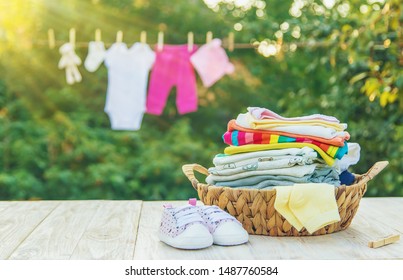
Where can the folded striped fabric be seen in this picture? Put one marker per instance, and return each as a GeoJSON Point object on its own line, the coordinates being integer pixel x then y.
{"type": "Point", "coordinates": [335, 141]}
{"type": "Point", "coordinates": [240, 138]}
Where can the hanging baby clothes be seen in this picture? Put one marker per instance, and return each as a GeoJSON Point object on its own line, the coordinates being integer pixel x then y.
{"type": "Point", "coordinates": [95, 56]}
{"type": "Point", "coordinates": [172, 68]}
{"type": "Point", "coordinates": [70, 61]}
{"type": "Point", "coordinates": [211, 62]}
{"type": "Point", "coordinates": [128, 70]}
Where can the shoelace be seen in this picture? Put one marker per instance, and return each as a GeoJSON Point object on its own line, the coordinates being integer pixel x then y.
{"type": "Point", "coordinates": [216, 214]}
{"type": "Point", "coordinates": [187, 214]}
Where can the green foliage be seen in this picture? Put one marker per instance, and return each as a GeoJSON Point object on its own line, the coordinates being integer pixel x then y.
{"type": "Point", "coordinates": [56, 141]}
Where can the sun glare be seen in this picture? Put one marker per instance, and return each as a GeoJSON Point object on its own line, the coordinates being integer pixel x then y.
{"type": "Point", "coordinates": [17, 21]}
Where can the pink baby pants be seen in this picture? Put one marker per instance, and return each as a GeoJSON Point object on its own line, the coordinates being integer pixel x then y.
{"type": "Point", "coordinates": [172, 67]}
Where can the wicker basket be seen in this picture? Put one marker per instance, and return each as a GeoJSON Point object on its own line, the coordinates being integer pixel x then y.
{"type": "Point", "coordinates": [255, 208]}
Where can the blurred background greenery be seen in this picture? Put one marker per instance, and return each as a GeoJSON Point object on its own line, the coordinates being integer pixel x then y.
{"type": "Point", "coordinates": [336, 57]}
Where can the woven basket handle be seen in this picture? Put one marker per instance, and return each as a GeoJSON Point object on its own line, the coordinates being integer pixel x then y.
{"type": "Point", "coordinates": [188, 170]}
{"type": "Point", "coordinates": [373, 171]}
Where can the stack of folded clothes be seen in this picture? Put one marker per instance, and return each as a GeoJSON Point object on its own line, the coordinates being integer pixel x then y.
{"type": "Point", "coordinates": [267, 150]}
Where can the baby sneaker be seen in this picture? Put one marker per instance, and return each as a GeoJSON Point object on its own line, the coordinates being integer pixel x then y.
{"type": "Point", "coordinates": [183, 227]}
{"type": "Point", "coordinates": [226, 229]}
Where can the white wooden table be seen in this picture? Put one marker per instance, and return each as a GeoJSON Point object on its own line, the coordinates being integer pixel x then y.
{"type": "Point", "coordinates": [125, 230]}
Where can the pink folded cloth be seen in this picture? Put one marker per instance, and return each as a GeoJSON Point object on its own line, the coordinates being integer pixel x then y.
{"type": "Point", "coordinates": [211, 62]}
{"type": "Point", "coordinates": [263, 113]}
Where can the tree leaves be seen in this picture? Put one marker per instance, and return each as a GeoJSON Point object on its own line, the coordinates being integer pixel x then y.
{"type": "Point", "coordinates": [56, 141]}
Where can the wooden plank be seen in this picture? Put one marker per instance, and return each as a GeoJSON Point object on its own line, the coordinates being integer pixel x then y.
{"type": "Point", "coordinates": [6, 204]}
{"type": "Point", "coordinates": [111, 234]}
{"type": "Point", "coordinates": [18, 220]}
{"type": "Point", "coordinates": [58, 235]}
{"type": "Point", "coordinates": [376, 217]}
{"type": "Point", "coordinates": [384, 210]}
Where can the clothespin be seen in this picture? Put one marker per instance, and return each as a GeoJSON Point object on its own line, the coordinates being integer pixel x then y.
{"type": "Point", "coordinates": [143, 37]}
{"type": "Point", "coordinates": [209, 37]}
{"type": "Point", "coordinates": [97, 35]}
{"type": "Point", "coordinates": [231, 41]}
{"type": "Point", "coordinates": [384, 241]}
{"type": "Point", "coordinates": [119, 37]}
{"type": "Point", "coordinates": [72, 37]}
{"type": "Point", "coordinates": [160, 43]}
{"type": "Point", "coordinates": [190, 41]}
{"type": "Point", "coordinates": [51, 38]}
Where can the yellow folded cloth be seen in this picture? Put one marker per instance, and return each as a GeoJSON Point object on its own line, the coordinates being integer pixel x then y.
{"type": "Point", "coordinates": [311, 205]}
{"type": "Point", "coordinates": [281, 205]}
{"type": "Point", "coordinates": [230, 150]}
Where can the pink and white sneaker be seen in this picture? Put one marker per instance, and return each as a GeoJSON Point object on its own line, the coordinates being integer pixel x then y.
{"type": "Point", "coordinates": [225, 228]}
{"type": "Point", "coordinates": [184, 228]}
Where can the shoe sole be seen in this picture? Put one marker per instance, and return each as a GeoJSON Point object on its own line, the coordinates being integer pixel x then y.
{"type": "Point", "coordinates": [229, 240]}
{"type": "Point", "coordinates": [187, 243]}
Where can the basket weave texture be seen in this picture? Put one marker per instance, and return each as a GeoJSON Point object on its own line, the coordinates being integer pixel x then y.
{"type": "Point", "coordinates": [254, 208]}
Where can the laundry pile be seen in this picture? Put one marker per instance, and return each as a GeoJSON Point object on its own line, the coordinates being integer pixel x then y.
{"type": "Point", "coordinates": [267, 150]}
{"type": "Point", "coordinates": [127, 97]}
{"type": "Point", "coordinates": [302, 158]}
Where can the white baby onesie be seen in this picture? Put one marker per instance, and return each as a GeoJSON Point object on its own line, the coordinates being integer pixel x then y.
{"type": "Point", "coordinates": [128, 70]}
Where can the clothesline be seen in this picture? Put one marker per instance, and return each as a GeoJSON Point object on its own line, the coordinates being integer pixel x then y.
{"type": "Point", "coordinates": [228, 42]}
{"type": "Point", "coordinates": [226, 45]}
{"type": "Point", "coordinates": [108, 44]}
